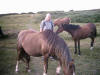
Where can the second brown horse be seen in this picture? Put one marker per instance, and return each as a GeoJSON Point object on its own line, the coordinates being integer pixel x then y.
{"type": "Point", "coordinates": [79, 32]}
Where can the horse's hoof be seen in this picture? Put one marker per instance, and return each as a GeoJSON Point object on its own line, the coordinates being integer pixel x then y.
{"type": "Point", "coordinates": [79, 55]}
{"type": "Point", "coordinates": [91, 48]}
{"type": "Point", "coordinates": [44, 73]}
{"type": "Point", "coordinates": [58, 70]}
{"type": "Point", "coordinates": [28, 70]}
{"type": "Point", "coordinates": [16, 70]}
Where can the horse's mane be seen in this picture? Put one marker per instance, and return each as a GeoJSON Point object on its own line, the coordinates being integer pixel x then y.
{"type": "Point", "coordinates": [50, 37]}
{"type": "Point", "coordinates": [57, 45]}
{"type": "Point", "coordinates": [70, 26]}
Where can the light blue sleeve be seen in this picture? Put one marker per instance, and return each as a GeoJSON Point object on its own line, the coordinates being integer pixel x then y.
{"type": "Point", "coordinates": [42, 24]}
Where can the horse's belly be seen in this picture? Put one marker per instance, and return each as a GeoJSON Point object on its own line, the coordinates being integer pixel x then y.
{"type": "Point", "coordinates": [32, 50]}
{"type": "Point", "coordinates": [81, 35]}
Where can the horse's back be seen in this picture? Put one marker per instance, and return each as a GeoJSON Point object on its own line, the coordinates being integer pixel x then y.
{"type": "Point", "coordinates": [23, 32]}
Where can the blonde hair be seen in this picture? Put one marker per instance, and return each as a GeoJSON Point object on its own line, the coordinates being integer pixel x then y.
{"type": "Point", "coordinates": [48, 16]}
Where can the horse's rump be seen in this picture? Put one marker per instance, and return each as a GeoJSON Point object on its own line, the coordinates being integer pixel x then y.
{"type": "Point", "coordinates": [93, 28]}
{"type": "Point", "coordinates": [90, 29]}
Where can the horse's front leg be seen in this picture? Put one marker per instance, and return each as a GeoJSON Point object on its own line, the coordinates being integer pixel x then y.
{"type": "Point", "coordinates": [92, 42]}
{"type": "Point", "coordinates": [79, 53]}
{"type": "Point", "coordinates": [45, 65]}
{"type": "Point", "coordinates": [58, 69]}
{"type": "Point", "coordinates": [75, 42]}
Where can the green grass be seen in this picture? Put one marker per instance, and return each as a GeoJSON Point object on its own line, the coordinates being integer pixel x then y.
{"type": "Point", "coordinates": [86, 64]}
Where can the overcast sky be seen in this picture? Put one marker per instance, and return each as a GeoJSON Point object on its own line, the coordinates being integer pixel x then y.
{"type": "Point", "coordinates": [19, 6]}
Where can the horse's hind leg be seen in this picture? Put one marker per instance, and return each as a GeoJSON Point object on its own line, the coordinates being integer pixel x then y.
{"type": "Point", "coordinates": [27, 62]}
{"type": "Point", "coordinates": [92, 43]}
{"type": "Point", "coordinates": [18, 57]}
{"type": "Point", "coordinates": [75, 46]}
{"type": "Point", "coordinates": [79, 52]}
{"type": "Point", "coordinates": [20, 53]}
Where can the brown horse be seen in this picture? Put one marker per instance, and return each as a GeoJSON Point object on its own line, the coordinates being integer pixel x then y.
{"type": "Point", "coordinates": [60, 21]}
{"type": "Point", "coordinates": [46, 43]}
{"type": "Point", "coordinates": [79, 32]}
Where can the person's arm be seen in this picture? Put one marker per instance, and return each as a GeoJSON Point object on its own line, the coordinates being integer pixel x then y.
{"type": "Point", "coordinates": [41, 26]}
{"type": "Point", "coordinates": [41, 29]}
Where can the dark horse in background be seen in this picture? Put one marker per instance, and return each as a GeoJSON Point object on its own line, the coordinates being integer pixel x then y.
{"type": "Point", "coordinates": [1, 33]}
{"type": "Point", "coordinates": [79, 32]}
{"type": "Point", "coordinates": [46, 43]}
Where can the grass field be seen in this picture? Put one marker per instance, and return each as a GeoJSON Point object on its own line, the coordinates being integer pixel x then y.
{"type": "Point", "coordinates": [86, 64]}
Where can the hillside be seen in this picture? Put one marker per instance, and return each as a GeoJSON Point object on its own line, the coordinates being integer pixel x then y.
{"type": "Point", "coordinates": [84, 16]}
{"type": "Point", "coordinates": [78, 16]}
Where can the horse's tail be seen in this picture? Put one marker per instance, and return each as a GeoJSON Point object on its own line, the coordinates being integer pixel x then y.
{"type": "Point", "coordinates": [20, 51]}
{"type": "Point", "coordinates": [95, 32]}
{"type": "Point", "coordinates": [19, 43]}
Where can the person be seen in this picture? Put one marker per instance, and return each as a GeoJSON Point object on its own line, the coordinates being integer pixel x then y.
{"type": "Point", "coordinates": [47, 23]}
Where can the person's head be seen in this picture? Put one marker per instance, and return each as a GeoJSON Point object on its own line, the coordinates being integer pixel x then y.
{"type": "Point", "coordinates": [48, 17]}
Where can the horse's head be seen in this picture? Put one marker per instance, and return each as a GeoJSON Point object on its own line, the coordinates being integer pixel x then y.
{"type": "Point", "coordinates": [70, 69]}
{"type": "Point", "coordinates": [57, 22]}
{"type": "Point", "coordinates": [65, 20]}
{"type": "Point", "coordinates": [60, 29]}
{"type": "Point", "coordinates": [60, 21]}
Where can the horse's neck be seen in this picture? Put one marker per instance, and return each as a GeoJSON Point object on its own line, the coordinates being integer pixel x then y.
{"type": "Point", "coordinates": [69, 31]}
{"type": "Point", "coordinates": [70, 28]}
{"type": "Point", "coordinates": [65, 57]}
